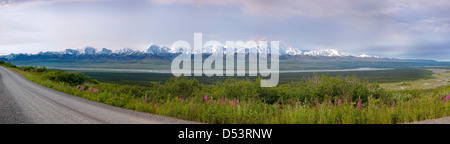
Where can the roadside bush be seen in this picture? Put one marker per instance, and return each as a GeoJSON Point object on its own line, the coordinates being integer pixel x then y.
{"type": "Point", "coordinates": [7, 64]}
{"type": "Point", "coordinates": [134, 91]}
{"type": "Point", "coordinates": [69, 78]}
{"type": "Point", "coordinates": [330, 88]}
{"type": "Point", "coordinates": [178, 86]}
{"type": "Point", "coordinates": [27, 68]}
{"type": "Point", "coordinates": [33, 69]}
{"type": "Point", "coordinates": [238, 89]}
{"type": "Point", "coordinates": [317, 88]}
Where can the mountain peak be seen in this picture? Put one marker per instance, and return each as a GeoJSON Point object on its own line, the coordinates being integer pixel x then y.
{"type": "Point", "coordinates": [162, 52]}
{"type": "Point", "coordinates": [125, 51]}
{"type": "Point", "coordinates": [106, 51]}
{"type": "Point", "coordinates": [367, 56]}
{"type": "Point", "coordinates": [156, 49]}
{"type": "Point", "coordinates": [89, 50]}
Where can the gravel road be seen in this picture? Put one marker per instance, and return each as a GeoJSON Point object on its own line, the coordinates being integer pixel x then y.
{"type": "Point", "coordinates": [25, 102]}
{"type": "Point", "coordinates": [444, 120]}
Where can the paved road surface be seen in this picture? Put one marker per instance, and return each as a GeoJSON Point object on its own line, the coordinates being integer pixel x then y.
{"type": "Point", "coordinates": [25, 102]}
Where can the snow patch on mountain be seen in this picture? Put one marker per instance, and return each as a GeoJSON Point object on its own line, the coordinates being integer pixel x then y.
{"type": "Point", "coordinates": [156, 49]}
{"type": "Point", "coordinates": [126, 51]}
{"type": "Point", "coordinates": [327, 52]}
{"type": "Point", "coordinates": [367, 56]}
{"type": "Point", "coordinates": [105, 51]}
{"type": "Point", "coordinates": [160, 49]}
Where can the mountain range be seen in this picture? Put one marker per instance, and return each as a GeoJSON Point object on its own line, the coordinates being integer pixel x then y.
{"type": "Point", "coordinates": [164, 53]}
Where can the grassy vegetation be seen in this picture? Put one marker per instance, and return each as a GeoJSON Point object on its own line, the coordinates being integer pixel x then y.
{"type": "Point", "coordinates": [318, 99]}
{"type": "Point", "coordinates": [284, 64]}
{"type": "Point", "coordinates": [56, 75]}
{"type": "Point", "coordinates": [439, 77]}
{"type": "Point", "coordinates": [384, 76]}
{"type": "Point", "coordinates": [158, 65]}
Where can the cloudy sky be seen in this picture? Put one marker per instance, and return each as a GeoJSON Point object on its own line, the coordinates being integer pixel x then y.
{"type": "Point", "coordinates": [387, 28]}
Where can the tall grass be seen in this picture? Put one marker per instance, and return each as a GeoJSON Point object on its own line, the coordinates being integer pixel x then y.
{"type": "Point", "coordinates": [316, 100]}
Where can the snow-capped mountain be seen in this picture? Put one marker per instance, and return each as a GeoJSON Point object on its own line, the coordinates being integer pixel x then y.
{"type": "Point", "coordinates": [156, 49]}
{"type": "Point", "coordinates": [291, 51]}
{"type": "Point", "coordinates": [367, 56]}
{"type": "Point", "coordinates": [90, 51]}
{"type": "Point", "coordinates": [125, 51]}
{"type": "Point", "coordinates": [105, 51]}
{"type": "Point", "coordinates": [327, 52]}
{"type": "Point", "coordinates": [72, 52]}
{"type": "Point", "coordinates": [158, 52]}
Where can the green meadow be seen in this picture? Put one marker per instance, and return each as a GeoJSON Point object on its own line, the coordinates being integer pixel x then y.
{"type": "Point", "coordinates": [312, 98]}
{"type": "Point", "coordinates": [139, 78]}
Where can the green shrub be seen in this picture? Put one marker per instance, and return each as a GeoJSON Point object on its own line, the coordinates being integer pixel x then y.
{"type": "Point", "coordinates": [41, 69]}
{"type": "Point", "coordinates": [317, 88]}
{"type": "Point", "coordinates": [69, 78]}
{"type": "Point", "coordinates": [33, 69]}
{"type": "Point", "coordinates": [7, 64]}
{"type": "Point", "coordinates": [178, 86]}
{"type": "Point", "coordinates": [326, 88]}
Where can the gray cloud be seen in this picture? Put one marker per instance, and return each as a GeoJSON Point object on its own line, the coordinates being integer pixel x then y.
{"type": "Point", "coordinates": [395, 28]}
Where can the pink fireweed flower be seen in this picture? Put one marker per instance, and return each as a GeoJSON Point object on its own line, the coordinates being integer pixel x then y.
{"type": "Point", "coordinates": [145, 98]}
{"type": "Point", "coordinates": [248, 105]}
{"type": "Point", "coordinates": [359, 103]}
{"type": "Point", "coordinates": [339, 101]}
{"type": "Point", "coordinates": [393, 104]}
{"type": "Point", "coordinates": [329, 102]}
{"type": "Point", "coordinates": [218, 101]}
{"type": "Point", "coordinates": [95, 90]}
{"type": "Point", "coordinates": [237, 101]}
{"type": "Point", "coordinates": [233, 103]}
{"type": "Point", "coordinates": [206, 97]}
